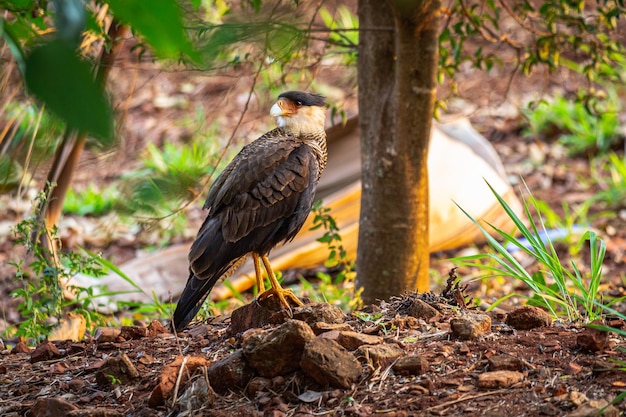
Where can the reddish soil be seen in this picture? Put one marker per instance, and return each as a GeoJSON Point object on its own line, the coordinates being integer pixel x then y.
{"type": "Point", "coordinates": [542, 371]}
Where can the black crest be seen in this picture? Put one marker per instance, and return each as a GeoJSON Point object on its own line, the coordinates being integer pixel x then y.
{"type": "Point", "coordinates": [306, 99]}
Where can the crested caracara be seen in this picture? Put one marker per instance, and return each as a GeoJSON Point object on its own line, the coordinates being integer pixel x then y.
{"type": "Point", "coordinates": [261, 198]}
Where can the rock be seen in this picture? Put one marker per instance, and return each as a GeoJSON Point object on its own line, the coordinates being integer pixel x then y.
{"type": "Point", "coordinates": [505, 363]}
{"type": "Point", "coordinates": [230, 372]}
{"type": "Point", "coordinates": [50, 407]}
{"type": "Point", "coordinates": [379, 355]}
{"type": "Point", "coordinates": [329, 363]}
{"type": "Point", "coordinates": [499, 379]}
{"type": "Point", "coordinates": [21, 347]}
{"type": "Point", "coordinates": [352, 340]}
{"type": "Point", "coordinates": [133, 332]}
{"type": "Point", "coordinates": [572, 368]}
{"type": "Point", "coordinates": [528, 317]}
{"type": "Point", "coordinates": [45, 352]}
{"type": "Point", "coordinates": [470, 326]}
{"type": "Point", "coordinates": [332, 335]}
{"type": "Point", "coordinates": [592, 409]}
{"type": "Point", "coordinates": [95, 412]}
{"type": "Point", "coordinates": [411, 365]}
{"type": "Point", "coordinates": [422, 310]}
{"type": "Point", "coordinates": [156, 328]}
{"type": "Point", "coordinates": [280, 351]}
{"type": "Point", "coordinates": [319, 312]}
{"type": "Point", "coordinates": [254, 315]}
{"type": "Point", "coordinates": [71, 327]}
{"type": "Point", "coordinates": [106, 334]}
{"type": "Point", "coordinates": [257, 385]}
{"type": "Point", "coordinates": [169, 376]}
{"type": "Point", "coordinates": [76, 384]}
{"type": "Point", "coordinates": [198, 395]}
{"type": "Point", "coordinates": [321, 327]}
{"type": "Point", "coordinates": [116, 370]}
{"type": "Point", "coordinates": [593, 340]}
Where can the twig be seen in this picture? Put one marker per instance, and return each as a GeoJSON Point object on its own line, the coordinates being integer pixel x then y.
{"type": "Point", "coordinates": [183, 366]}
{"type": "Point", "coordinates": [466, 398]}
{"type": "Point", "coordinates": [520, 22]}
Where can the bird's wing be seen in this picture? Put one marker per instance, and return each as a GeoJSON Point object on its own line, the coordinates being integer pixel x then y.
{"type": "Point", "coordinates": [262, 186]}
{"type": "Point", "coordinates": [268, 194]}
{"type": "Point", "coordinates": [247, 166]}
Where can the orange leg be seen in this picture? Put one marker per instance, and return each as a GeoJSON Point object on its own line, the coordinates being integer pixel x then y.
{"type": "Point", "coordinates": [260, 283]}
{"type": "Point", "coordinates": [275, 289]}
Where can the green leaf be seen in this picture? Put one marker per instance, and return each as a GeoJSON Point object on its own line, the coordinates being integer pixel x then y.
{"type": "Point", "coordinates": [159, 22]}
{"type": "Point", "coordinates": [13, 40]}
{"type": "Point", "coordinates": [64, 82]}
{"type": "Point", "coordinates": [19, 6]}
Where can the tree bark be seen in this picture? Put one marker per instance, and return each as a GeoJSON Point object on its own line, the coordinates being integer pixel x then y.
{"type": "Point", "coordinates": [68, 154]}
{"type": "Point", "coordinates": [397, 84]}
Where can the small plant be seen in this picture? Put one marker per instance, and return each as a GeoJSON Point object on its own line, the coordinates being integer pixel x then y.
{"type": "Point", "coordinates": [563, 291]}
{"type": "Point", "coordinates": [45, 279]}
{"type": "Point", "coordinates": [582, 128]}
{"type": "Point", "coordinates": [91, 201]}
{"type": "Point", "coordinates": [113, 380]}
{"type": "Point", "coordinates": [168, 176]}
{"type": "Point", "coordinates": [569, 226]}
{"type": "Point", "coordinates": [610, 175]}
{"type": "Point", "coordinates": [339, 290]}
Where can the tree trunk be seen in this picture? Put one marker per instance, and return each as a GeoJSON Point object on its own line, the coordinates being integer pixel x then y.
{"type": "Point", "coordinates": [397, 84]}
{"type": "Point", "coordinates": [68, 155]}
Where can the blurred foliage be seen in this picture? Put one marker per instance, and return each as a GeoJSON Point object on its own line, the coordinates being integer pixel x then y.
{"type": "Point", "coordinates": [339, 290]}
{"type": "Point", "coordinates": [91, 201]}
{"type": "Point", "coordinates": [609, 173]}
{"type": "Point", "coordinates": [43, 279]}
{"type": "Point", "coordinates": [582, 36]}
{"type": "Point", "coordinates": [577, 129]}
{"type": "Point", "coordinates": [168, 176]}
{"type": "Point", "coordinates": [283, 38]}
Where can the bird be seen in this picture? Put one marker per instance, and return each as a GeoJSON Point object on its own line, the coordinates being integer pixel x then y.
{"type": "Point", "coordinates": [261, 199]}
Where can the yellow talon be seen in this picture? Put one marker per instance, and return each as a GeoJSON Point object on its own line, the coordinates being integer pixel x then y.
{"type": "Point", "coordinates": [276, 289]}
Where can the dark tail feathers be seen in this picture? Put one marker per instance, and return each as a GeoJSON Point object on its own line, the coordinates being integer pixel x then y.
{"type": "Point", "coordinates": [190, 301]}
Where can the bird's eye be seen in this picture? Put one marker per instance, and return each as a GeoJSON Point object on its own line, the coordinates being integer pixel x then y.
{"type": "Point", "coordinates": [298, 103]}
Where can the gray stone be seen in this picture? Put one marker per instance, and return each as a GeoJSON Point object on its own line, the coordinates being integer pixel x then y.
{"type": "Point", "coordinates": [319, 312]}
{"type": "Point", "coordinates": [528, 317]}
{"type": "Point", "coordinates": [379, 355]}
{"type": "Point", "coordinates": [50, 407]}
{"type": "Point", "coordinates": [411, 365]}
{"type": "Point", "coordinates": [279, 351]}
{"type": "Point", "coordinates": [499, 379]}
{"type": "Point", "coordinates": [470, 326]}
{"type": "Point", "coordinates": [422, 310]}
{"type": "Point", "coordinates": [505, 363]}
{"type": "Point", "coordinates": [231, 372]}
{"type": "Point", "coordinates": [328, 363]}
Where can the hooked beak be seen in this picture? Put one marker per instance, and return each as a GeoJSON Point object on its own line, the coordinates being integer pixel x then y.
{"type": "Point", "coordinates": [276, 110]}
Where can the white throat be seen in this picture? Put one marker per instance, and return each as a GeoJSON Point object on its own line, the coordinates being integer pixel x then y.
{"type": "Point", "coordinates": [308, 119]}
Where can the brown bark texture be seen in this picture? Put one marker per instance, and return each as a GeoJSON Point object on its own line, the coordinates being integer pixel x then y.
{"type": "Point", "coordinates": [397, 69]}
{"type": "Point", "coordinates": [68, 154]}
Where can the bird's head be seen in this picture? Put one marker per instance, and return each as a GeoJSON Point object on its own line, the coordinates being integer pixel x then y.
{"type": "Point", "coordinates": [300, 112]}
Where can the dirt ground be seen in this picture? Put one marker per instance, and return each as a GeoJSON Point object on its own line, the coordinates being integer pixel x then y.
{"type": "Point", "coordinates": [553, 370]}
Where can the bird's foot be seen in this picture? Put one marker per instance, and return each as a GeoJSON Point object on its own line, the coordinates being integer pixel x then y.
{"type": "Point", "coordinates": [282, 294]}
